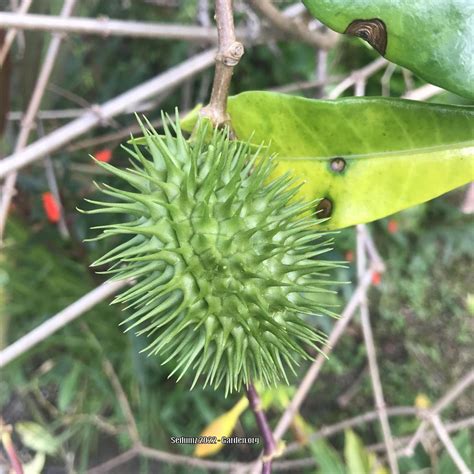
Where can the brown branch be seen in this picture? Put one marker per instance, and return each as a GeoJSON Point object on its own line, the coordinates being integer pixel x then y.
{"type": "Point", "coordinates": [362, 239]}
{"type": "Point", "coordinates": [444, 437]}
{"type": "Point", "coordinates": [118, 389]}
{"type": "Point", "coordinates": [228, 56]}
{"type": "Point", "coordinates": [109, 27]}
{"type": "Point", "coordinates": [58, 321]}
{"type": "Point", "coordinates": [438, 407]}
{"type": "Point", "coordinates": [308, 462]}
{"type": "Point", "coordinates": [65, 134]}
{"type": "Point", "coordinates": [294, 28]}
{"type": "Point", "coordinates": [158, 455]}
{"type": "Point", "coordinates": [357, 76]}
{"type": "Point", "coordinates": [115, 462]}
{"type": "Point", "coordinates": [10, 36]}
{"type": "Point", "coordinates": [27, 123]}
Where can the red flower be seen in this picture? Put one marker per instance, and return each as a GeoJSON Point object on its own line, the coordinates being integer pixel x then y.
{"type": "Point", "coordinates": [349, 256]}
{"type": "Point", "coordinates": [51, 208]}
{"type": "Point", "coordinates": [104, 155]}
{"type": "Point", "coordinates": [376, 278]}
{"type": "Point", "coordinates": [392, 226]}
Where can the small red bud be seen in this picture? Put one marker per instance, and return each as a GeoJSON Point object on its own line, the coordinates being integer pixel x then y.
{"type": "Point", "coordinates": [392, 226]}
{"type": "Point", "coordinates": [349, 256]}
{"type": "Point", "coordinates": [376, 278]}
{"type": "Point", "coordinates": [51, 207]}
{"type": "Point", "coordinates": [104, 155]}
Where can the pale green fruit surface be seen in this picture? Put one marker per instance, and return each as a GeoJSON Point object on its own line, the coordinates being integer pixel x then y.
{"type": "Point", "coordinates": [225, 266]}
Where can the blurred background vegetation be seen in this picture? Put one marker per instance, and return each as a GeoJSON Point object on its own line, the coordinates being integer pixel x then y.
{"type": "Point", "coordinates": [421, 310]}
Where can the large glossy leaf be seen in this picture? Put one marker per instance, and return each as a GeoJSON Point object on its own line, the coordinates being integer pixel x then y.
{"type": "Point", "coordinates": [369, 157]}
{"type": "Point", "coordinates": [434, 38]}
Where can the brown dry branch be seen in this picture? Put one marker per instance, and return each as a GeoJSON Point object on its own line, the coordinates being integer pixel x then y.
{"type": "Point", "coordinates": [292, 465]}
{"type": "Point", "coordinates": [331, 430]}
{"type": "Point", "coordinates": [65, 134]}
{"type": "Point", "coordinates": [437, 408]}
{"type": "Point", "coordinates": [105, 27]}
{"type": "Point", "coordinates": [294, 28]}
{"type": "Point", "coordinates": [423, 93]}
{"type": "Point", "coordinates": [118, 389]}
{"type": "Point", "coordinates": [228, 56]}
{"type": "Point", "coordinates": [163, 456]}
{"type": "Point", "coordinates": [27, 123]}
{"type": "Point", "coordinates": [381, 408]}
{"type": "Point", "coordinates": [444, 437]}
{"type": "Point", "coordinates": [61, 319]}
{"type": "Point", "coordinates": [10, 36]}
{"type": "Point", "coordinates": [357, 76]}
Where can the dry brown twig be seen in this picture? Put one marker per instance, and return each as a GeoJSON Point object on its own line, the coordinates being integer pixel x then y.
{"type": "Point", "coordinates": [10, 36]}
{"type": "Point", "coordinates": [381, 408]}
{"type": "Point", "coordinates": [8, 188]}
{"type": "Point", "coordinates": [294, 28]}
{"type": "Point", "coordinates": [109, 27]}
{"type": "Point", "coordinates": [437, 408]}
{"type": "Point", "coordinates": [228, 56]}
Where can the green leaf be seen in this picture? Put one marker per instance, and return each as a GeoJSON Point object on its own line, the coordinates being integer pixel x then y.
{"type": "Point", "coordinates": [464, 443]}
{"type": "Point", "coordinates": [36, 437]}
{"type": "Point", "coordinates": [357, 460]}
{"type": "Point", "coordinates": [68, 388]}
{"type": "Point", "coordinates": [433, 38]}
{"type": "Point", "coordinates": [36, 465]}
{"type": "Point", "coordinates": [327, 458]}
{"type": "Point", "coordinates": [397, 153]}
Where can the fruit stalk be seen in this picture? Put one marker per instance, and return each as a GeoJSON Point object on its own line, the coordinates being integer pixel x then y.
{"type": "Point", "coordinates": [269, 445]}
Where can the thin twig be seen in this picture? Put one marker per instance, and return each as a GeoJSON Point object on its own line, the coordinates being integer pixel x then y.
{"type": "Point", "coordinates": [114, 136]}
{"type": "Point", "coordinates": [437, 408]}
{"type": "Point", "coordinates": [10, 36]}
{"type": "Point", "coordinates": [451, 427]}
{"type": "Point", "coordinates": [386, 78]}
{"type": "Point", "coordinates": [294, 28]}
{"type": "Point", "coordinates": [346, 397]}
{"type": "Point", "coordinates": [331, 430]}
{"type": "Point", "coordinates": [115, 462]}
{"type": "Point", "coordinates": [28, 120]}
{"type": "Point", "coordinates": [449, 445]}
{"type": "Point", "coordinates": [357, 76]}
{"type": "Point", "coordinates": [228, 56]}
{"type": "Point", "coordinates": [424, 92]}
{"type": "Point", "coordinates": [467, 206]}
{"type": "Point", "coordinates": [371, 354]}
{"type": "Point", "coordinates": [53, 324]}
{"type": "Point", "coordinates": [304, 85]}
{"type": "Point", "coordinates": [170, 458]}
{"type": "Point", "coordinates": [118, 389]}
{"type": "Point", "coordinates": [89, 120]}
{"type": "Point", "coordinates": [107, 27]}
{"type": "Point", "coordinates": [269, 445]}
{"type": "Point", "coordinates": [371, 249]}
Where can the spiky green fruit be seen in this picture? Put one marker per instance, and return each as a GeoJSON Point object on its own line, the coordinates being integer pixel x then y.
{"type": "Point", "coordinates": [223, 260]}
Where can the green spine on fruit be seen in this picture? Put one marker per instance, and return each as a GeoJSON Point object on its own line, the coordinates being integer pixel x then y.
{"type": "Point", "coordinates": [223, 260]}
